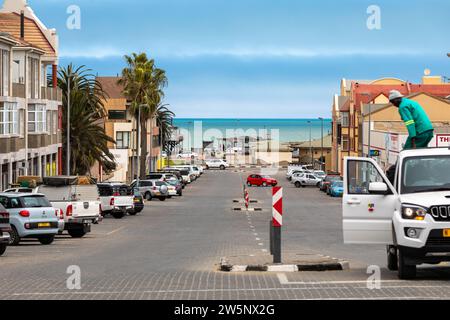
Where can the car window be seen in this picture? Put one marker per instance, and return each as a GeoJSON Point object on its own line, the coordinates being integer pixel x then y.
{"type": "Point", "coordinates": [14, 203]}
{"type": "Point", "coordinates": [33, 202]}
{"type": "Point", "coordinates": [160, 183]}
{"type": "Point", "coordinates": [360, 175]}
{"type": "Point", "coordinates": [4, 201]}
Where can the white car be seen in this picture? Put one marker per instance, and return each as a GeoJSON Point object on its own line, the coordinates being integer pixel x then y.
{"type": "Point", "coordinates": [411, 216]}
{"type": "Point", "coordinates": [216, 164]}
{"type": "Point", "coordinates": [115, 199]}
{"type": "Point", "coordinates": [79, 203]}
{"type": "Point", "coordinates": [191, 155]}
{"type": "Point", "coordinates": [305, 179]}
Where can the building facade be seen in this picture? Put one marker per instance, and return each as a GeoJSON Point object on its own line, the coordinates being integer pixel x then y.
{"type": "Point", "coordinates": [30, 102]}
{"type": "Point", "coordinates": [347, 115]}
{"type": "Point", "coordinates": [121, 126]}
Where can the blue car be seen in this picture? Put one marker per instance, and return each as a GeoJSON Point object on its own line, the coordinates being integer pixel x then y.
{"type": "Point", "coordinates": [336, 188]}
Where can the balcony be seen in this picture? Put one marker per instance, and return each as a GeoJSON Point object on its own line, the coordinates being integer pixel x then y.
{"type": "Point", "coordinates": [19, 90]}
{"type": "Point", "coordinates": [49, 93]}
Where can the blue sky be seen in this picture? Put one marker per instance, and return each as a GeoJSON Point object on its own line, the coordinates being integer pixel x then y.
{"type": "Point", "coordinates": [256, 58]}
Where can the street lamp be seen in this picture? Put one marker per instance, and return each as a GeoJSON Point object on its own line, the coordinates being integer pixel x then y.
{"type": "Point", "coordinates": [310, 143]}
{"type": "Point", "coordinates": [69, 76]}
{"type": "Point", "coordinates": [322, 160]}
{"type": "Point", "coordinates": [370, 123]}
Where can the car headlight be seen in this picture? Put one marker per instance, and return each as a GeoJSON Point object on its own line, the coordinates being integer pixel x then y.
{"type": "Point", "coordinates": [413, 212]}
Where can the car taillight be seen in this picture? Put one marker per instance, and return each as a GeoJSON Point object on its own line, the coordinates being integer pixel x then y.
{"type": "Point", "coordinates": [69, 210]}
{"type": "Point", "coordinates": [155, 188]}
{"type": "Point", "coordinates": [4, 214]}
{"type": "Point", "coordinates": [24, 213]}
{"type": "Point", "coordinates": [61, 214]}
{"type": "Point", "coordinates": [116, 194]}
{"type": "Point", "coordinates": [111, 202]}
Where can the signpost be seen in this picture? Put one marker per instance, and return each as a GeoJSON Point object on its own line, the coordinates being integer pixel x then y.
{"type": "Point", "coordinates": [276, 223]}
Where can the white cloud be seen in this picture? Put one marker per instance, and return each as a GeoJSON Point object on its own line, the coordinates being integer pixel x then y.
{"type": "Point", "coordinates": [90, 52]}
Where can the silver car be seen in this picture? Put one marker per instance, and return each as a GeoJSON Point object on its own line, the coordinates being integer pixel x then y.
{"type": "Point", "coordinates": [31, 216]}
{"type": "Point", "coordinates": [306, 179]}
{"type": "Point", "coordinates": [150, 189]}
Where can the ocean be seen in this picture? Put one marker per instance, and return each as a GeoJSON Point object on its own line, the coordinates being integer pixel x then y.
{"type": "Point", "coordinates": [290, 130]}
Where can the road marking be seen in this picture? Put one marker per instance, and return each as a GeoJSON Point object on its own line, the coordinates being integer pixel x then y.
{"type": "Point", "coordinates": [257, 239]}
{"type": "Point", "coordinates": [284, 281]}
{"type": "Point", "coordinates": [114, 231]}
{"type": "Point", "coordinates": [260, 244]}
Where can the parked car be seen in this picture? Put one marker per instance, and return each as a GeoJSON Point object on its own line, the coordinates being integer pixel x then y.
{"type": "Point", "coordinates": [193, 174]}
{"type": "Point", "coordinates": [306, 179]}
{"type": "Point", "coordinates": [150, 189]}
{"type": "Point", "coordinates": [325, 183]}
{"type": "Point", "coordinates": [410, 216]}
{"type": "Point", "coordinates": [31, 216]}
{"type": "Point", "coordinates": [21, 190]}
{"type": "Point", "coordinates": [175, 172]}
{"type": "Point", "coordinates": [319, 174]}
{"type": "Point", "coordinates": [191, 155]}
{"type": "Point", "coordinates": [336, 188]}
{"type": "Point", "coordinates": [216, 164]}
{"type": "Point", "coordinates": [5, 229]}
{"type": "Point", "coordinates": [115, 199]}
{"type": "Point", "coordinates": [175, 183]}
{"type": "Point", "coordinates": [79, 203]}
{"type": "Point", "coordinates": [260, 180]}
{"type": "Point", "coordinates": [138, 201]}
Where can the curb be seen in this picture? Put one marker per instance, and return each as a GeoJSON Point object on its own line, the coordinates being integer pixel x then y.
{"type": "Point", "coordinates": [245, 209]}
{"type": "Point", "coordinates": [332, 266]}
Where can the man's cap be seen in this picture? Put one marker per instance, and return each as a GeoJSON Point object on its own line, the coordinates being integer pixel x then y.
{"type": "Point", "coordinates": [394, 94]}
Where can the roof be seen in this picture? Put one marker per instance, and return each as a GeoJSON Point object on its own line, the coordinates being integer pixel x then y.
{"type": "Point", "coordinates": [374, 107]}
{"type": "Point", "coordinates": [344, 103]}
{"type": "Point", "coordinates": [379, 107]}
{"type": "Point", "coordinates": [10, 23]}
{"type": "Point", "coordinates": [111, 87]}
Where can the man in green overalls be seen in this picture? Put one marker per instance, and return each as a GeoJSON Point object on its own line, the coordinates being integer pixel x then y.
{"type": "Point", "coordinates": [420, 129]}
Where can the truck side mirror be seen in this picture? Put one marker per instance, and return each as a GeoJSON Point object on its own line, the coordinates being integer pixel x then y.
{"type": "Point", "coordinates": [380, 188]}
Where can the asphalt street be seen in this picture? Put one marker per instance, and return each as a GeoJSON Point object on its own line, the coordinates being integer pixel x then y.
{"type": "Point", "coordinates": [173, 248]}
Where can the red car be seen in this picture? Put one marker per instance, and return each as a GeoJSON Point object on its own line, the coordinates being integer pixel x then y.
{"type": "Point", "coordinates": [258, 180]}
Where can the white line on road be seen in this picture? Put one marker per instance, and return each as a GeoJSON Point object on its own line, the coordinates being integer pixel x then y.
{"type": "Point", "coordinates": [114, 231]}
{"type": "Point", "coordinates": [284, 281]}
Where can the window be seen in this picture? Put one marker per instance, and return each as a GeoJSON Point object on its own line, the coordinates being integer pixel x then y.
{"type": "Point", "coordinates": [49, 121]}
{"type": "Point", "coordinates": [117, 115]}
{"type": "Point", "coordinates": [345, 142]}
{"type": "Point", "coordinates": [9, 122]}
{"type": "Point", "coordinates": [360, 175]}
{"type": "Point", "coordinates": [33, 78]}
{"type": "Point", "coordinates": [122, 139]}
{"type": "Point", "coordinates": [37, 118]}
{"type": "Point", "coordinates": [55, 122]}
{"type": "Point", "coordinates": [345, 118]}
{"type": "Point", "coordinates": [4, 73]}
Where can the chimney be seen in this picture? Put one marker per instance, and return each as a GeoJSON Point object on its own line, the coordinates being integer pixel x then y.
{"type": "Point", "coordinates": [22, 25]}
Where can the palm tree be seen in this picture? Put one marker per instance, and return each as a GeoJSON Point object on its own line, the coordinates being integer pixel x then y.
{"type": "Point", "coordinates": [143, 85]}
{"type": "Point", "coordinates": [88, 140]}
{"type": "Point", "coordinates": [164, 120]}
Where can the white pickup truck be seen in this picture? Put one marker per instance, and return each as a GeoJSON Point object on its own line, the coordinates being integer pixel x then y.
{"type": "Point", "coordinates": [80, 204]}
{"type": "Point", "coordinates": [410, 215]}
{"type": "Point", "coordinates": [116, 199]}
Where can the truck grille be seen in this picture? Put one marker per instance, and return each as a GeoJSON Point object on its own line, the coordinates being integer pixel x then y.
{"type": "Point", "coordinates": [440, 213]}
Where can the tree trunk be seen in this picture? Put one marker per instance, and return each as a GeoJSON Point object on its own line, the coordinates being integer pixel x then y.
{"type": "Point", "coordinates": [151, 145]}
{"type": "Point", "coordinates": [143, 169]}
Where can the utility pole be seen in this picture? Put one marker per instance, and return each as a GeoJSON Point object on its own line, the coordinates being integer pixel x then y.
{"type": "Point", "coordinates": [322, 160]}
{"type": "Point", "coordinates": [310, 143]}
{"type": "Point", "coordinates": [68, 124]}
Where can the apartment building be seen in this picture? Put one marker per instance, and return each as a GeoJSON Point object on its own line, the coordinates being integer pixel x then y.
{"type": "Point", "coordinates": [347, 106]}
{"type": "Point", "coordinates": [121, 126]}
{"type": "Point", "coordinates": [30, 107]}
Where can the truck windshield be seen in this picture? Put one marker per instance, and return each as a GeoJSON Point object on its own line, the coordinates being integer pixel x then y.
{"type": "Point", "coordinates": [426, 174]}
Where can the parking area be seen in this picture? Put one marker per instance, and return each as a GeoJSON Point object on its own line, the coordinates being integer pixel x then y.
{"type": "Point", "coordinates": [171, 250]}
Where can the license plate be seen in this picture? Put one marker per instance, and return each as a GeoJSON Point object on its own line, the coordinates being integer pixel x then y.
{"type": "Point", "coordinates": [44, 225]}
{"type": "Point", "coordinates": [446, 233]}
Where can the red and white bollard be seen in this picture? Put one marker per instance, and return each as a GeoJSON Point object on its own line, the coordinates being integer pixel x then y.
{"type": "Point", "coordinates": [246, 198]}
{"type": "Point", "coordinates": [276, 223]}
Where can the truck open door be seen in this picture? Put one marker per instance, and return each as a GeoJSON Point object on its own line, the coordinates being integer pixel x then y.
{"type": "Point", "coordinates": [368, 203]}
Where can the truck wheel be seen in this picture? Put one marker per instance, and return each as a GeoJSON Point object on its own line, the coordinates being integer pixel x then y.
{"type": "Point", "coordinates": [14, 238]}
{"type": "Point", "coordinates": [405, 271]}
{"type": "Point", "coordinates": [298, 184]}
{"type": "Point", "coordinates": [2, 249]}
{"type": "Point", "coordinates": [118, 215]}
{"type": "Point", "coordinates": [77, 233]}
{"type": "Point", "coordinates": [162, 199]}
{"type": "Point", "coordinates": [46, 240]}
{"type": "Point", "coordinates": [222, 167]}
{"type": "Point", "coordinates": [392, 262]}
{"type": "Point", "coordinates": [132, 213]}
{"type": "Point", "coordinates": [148, 196]}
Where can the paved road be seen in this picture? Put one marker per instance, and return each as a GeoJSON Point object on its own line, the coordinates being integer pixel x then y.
{"type": "Point", "coordinates": [172, 250]}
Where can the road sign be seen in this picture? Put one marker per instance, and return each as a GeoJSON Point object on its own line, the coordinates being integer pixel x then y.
{"type": "Point", "coordinates": [277, 222]}
{"type": "Point", "coordinates": [375, 153]}
{"type": "Point", "coordinates": [277, 206]}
